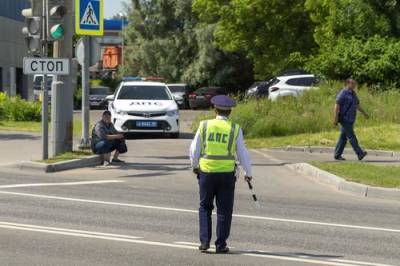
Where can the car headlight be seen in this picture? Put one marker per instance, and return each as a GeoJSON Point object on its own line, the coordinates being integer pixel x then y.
{"type": "Point", "coordinates": [120, 112]}
{"type": "Point", "coordinates": [173, 113]}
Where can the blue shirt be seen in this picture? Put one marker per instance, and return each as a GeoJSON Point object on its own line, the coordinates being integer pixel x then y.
{"type": "Point", "coordinates": [348, 102]}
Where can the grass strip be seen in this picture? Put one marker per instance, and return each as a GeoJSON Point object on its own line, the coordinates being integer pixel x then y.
{"type": "Point", "coordinates": [380, 137]}
{"type": "Point", "coordinates": [36, 127]}
{"type": "Point", "coordinates": [368, 174]}
{"type": "Point", "coordinates": [68, 156]}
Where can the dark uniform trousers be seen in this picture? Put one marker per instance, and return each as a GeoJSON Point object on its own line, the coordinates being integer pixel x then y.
{"type": "Point", "coordinates": [220, 186]}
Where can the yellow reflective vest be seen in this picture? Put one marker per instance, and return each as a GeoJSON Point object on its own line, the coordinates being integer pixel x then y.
{"type": "Point", "coordinates": [218, 146]}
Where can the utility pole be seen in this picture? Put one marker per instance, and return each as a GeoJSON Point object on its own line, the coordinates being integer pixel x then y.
{"type": "Point", "coordinates": [45, 96]}
{"type": "Point", "coordinates": [85, 142]}
{"type": "Point", "coordinates": [62, 89]}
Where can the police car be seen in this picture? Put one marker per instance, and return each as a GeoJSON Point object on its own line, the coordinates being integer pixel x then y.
{"type": "Point", "coordinates": [144, 107]}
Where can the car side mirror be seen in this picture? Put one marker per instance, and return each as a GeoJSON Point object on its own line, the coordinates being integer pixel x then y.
{"type": "Point", "coordinates": [110, 98]}
{"type": "Point", "coordinates": [178, 98]}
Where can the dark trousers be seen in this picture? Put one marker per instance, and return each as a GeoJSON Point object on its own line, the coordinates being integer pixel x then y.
{"type": "Point", "coordinates": [107, 146]}
{"type": "Point", "coordinates": [220, 186]}
{"type": "Point", "coordinates": [347, 133]}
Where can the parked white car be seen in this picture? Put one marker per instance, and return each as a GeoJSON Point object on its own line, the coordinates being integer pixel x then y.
{"type": "Point", "coordinates": [37, 87]}
{"type": "Point", "coordinates": [291, 86]}
{"type": "Point", "coordinates": [144, 107]}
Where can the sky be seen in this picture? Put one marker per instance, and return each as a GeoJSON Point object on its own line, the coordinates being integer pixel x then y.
{"type": "Point", "coordinates": [112, 7]}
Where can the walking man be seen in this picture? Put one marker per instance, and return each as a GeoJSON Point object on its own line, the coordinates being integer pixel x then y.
{"type": "Point", "coordinates": [213, 159]}
{"type": "Point", "coordinates": [347, 105]}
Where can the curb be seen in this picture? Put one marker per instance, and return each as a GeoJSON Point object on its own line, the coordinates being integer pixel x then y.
{"type": "Point", "coordinates": [90, 161]}
{"type": "Point", "coordinates": [339, 183]}
{"type": "Point", "coordinates": [326, 178]}
{"type": "Point", "coordinates": [316, 149]}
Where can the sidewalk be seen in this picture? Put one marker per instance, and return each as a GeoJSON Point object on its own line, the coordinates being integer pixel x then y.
{"type": "Point", "coordinates": [291, 157]}
{"type": "Point", "coordinates": [19, 146]}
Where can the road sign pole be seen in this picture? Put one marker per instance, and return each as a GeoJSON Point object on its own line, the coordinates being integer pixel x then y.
{"type": "Point", "coordinates": [45, 98]}
{"type": "Point", "coordinates": [85, 141]}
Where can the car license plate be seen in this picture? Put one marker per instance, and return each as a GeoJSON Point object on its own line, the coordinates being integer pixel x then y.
{"type": "Point", "coordinates": [147, 124]}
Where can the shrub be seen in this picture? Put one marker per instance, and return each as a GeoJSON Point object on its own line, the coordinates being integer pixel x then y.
{"type": "Point", "coordinates": [3, 98]}
{"type": "Point", "coordinates": [17, 109]}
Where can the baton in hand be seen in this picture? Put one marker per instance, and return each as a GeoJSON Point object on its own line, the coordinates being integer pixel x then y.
{"type": "Point", "coordinates": [253, 194]}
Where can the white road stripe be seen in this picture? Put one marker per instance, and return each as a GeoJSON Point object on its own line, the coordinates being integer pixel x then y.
{"type": "Point", "coordinates": [133, 239]}
{"type": "Point", "coordinates": [62, 184]}
{"type": "Point", "coordinates": [6, 224]}
{"type": "Point", "coordinates": [359, 262]}
{"type": "Point", "coordinates": [195, 244]}
{"type": "Point", "coordinates": [187, 243]}
{"type": "Point", "coordinates": [253, 217]}
{"type": "Point", "coordinates": [269, 157]}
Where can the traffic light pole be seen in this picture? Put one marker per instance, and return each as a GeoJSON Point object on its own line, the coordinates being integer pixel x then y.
{"type": "Point", "coordinates": [45, 97]}
{"type": "Point", "coordinates": [85, 142]}
{"type": "Point", "coordinates": [63, 91]}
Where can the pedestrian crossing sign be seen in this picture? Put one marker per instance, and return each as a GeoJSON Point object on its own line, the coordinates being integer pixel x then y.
{"type": "Point", "coordinates": [89, 17]}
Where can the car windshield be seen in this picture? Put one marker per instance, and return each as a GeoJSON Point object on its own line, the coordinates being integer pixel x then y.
{"type": "Point", "coordinates": [143, 93]}
{"type": "Point", "coordinates": [176, 88]}
{"type": "Point", "coordinates": [38, 82]}
{"type": "Point", "coordinates": [99, 91]}
{"type": "Point", "coordinates": [255, 84]}
{"type": "Point", "coordinates": [211, 90]}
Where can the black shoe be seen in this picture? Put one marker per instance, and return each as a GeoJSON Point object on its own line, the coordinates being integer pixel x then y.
{"type": "Point", "coordinates": [117, 161]}
{"type": "Point", "coordinates": [204, 247]}
{"type": "Point", "coordinates": [339, 158]}
{"type": "Point", "coordinates": [222, 250]}
{"type": "Point", "coordinates": [362, 156]}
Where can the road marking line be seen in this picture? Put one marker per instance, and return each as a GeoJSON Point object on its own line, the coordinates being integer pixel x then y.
{"type": "Point", "coordinates": [195, 244]}
{"type": "Point", "coordinates": [359, 262]}
{"type": "Point", "coordinates": [253, 217]}
{"type": "Point", "coordinates": [61, 184]}
{"type": "Point", "coordinates": [7, 224]}
{"type": "Point", "coordinates": [187, 243]}
{"type": "Point", "coordinates": [312, 261]}
{"type": "Point", "coordinates": [132, 239]}
{"type": "Point", "coordinates": [269, 157]}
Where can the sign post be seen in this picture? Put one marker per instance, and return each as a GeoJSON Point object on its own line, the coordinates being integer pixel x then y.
{"type": "Point", "coordinates": [89, 21]}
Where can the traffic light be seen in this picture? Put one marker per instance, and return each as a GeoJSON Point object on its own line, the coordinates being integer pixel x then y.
{"type": "Point", "coordinates": [55, 27]}
{"type": "Point", "coordinates": [32, 30]}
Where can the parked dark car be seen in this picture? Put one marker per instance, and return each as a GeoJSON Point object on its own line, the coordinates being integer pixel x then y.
{"type": "Point", "coordinates": [261, 89]}
{"type": "Point", "coordinates": [201, 98]}
{"type": "Point", "coordinates": [97, 98]}
{"type": "Point", "coordinates": [181, 93]}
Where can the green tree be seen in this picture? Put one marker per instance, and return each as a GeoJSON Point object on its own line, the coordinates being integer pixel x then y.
{"type": "Point", "coordinates": [345, 19]}
{"type": "Point", "coordinates": [271, 33]}
{"type": "Point", "coordinates": [356, 38]}
{"type": "Point", "coordinates": [165, 39]}
{"type": "Point", "coordinates": [160, 38]}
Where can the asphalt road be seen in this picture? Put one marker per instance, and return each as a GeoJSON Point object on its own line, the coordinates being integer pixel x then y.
{"type": "Point", "coordinates": [145, 213]}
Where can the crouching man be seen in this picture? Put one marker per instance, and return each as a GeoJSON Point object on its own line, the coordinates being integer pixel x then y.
{"type": "Point", "coordinates": [106, 139]}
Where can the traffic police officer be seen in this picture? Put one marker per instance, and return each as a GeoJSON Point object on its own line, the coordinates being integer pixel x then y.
{"type": "Point", "coordinates": [212, 155]}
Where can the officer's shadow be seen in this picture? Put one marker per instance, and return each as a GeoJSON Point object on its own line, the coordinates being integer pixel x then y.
{"type": "Point", "coordinates": [296, 255]}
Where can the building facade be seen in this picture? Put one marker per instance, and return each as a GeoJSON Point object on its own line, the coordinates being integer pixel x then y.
{"type": "Point", "coordinates": [13, 49]}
